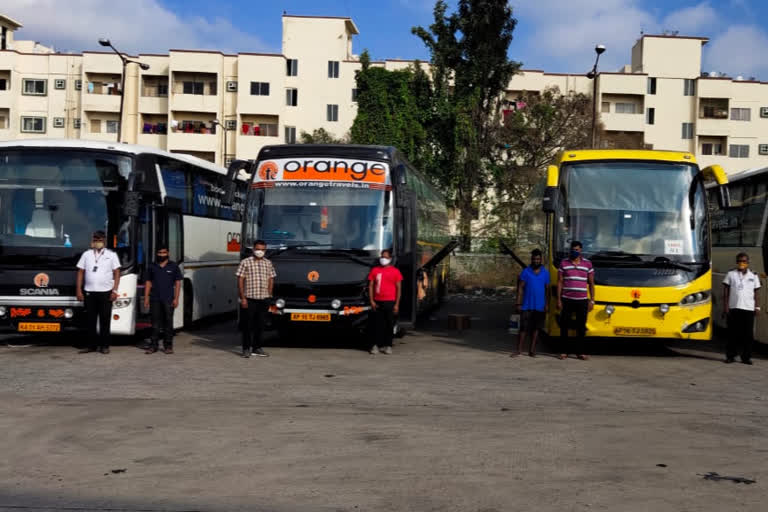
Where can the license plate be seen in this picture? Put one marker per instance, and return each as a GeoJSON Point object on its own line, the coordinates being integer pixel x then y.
{"type": "Point", "coordinates": [39, 327]}
{"type": "Point", "coordinates": [634, 331]}
{"type": "Point", "coordinates": [311, 317]}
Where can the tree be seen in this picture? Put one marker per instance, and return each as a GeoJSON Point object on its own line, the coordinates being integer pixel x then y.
{"type": "Point", "coordinates": [393, 109]}
{"type": "Point", "coordinates": [470, 73]}
{"type": "Point", "coordinates": [321, 136]}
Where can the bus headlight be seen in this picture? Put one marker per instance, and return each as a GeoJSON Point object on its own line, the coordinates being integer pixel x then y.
{"type": "Point", "coordinates": [664, 309]}
{"type": "Point", "coordinates": [3, 311]}
{"type": "Point", "coordinates": [280, 303]}
{"type": "Point", "coordinates": [335, 303]}
{"type": "Point", "coordinates": [610, 309]}
{"type": "Point", "coordinates": [68, 313]}
{"type": "Point", "coordinates": [123, 302]}
{"type": "Point", "coordinates": [696, 298]}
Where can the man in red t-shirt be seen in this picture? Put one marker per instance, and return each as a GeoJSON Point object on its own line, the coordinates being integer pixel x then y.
{"type": "Point", "coordinates": [384, 285]}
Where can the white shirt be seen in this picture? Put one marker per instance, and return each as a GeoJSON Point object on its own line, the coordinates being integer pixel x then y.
{"type": "Point", "coordinates": [742, 289]}
{"type": "Point", "coordinates": [99, 267]}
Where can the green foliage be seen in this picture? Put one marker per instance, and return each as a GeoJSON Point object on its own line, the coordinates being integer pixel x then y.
{"type": "Point", "coordinates": [320, 136]}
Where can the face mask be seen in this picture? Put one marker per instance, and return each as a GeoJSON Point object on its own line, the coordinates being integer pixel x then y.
{"type": "Point", "coordinates": [97, 245]}
{"type": "Point", "coordinates": [575, 254]}
{"type": "Point", "coordinates": [162, 258]}
{"type": "Point", "coordinates": [535, 265]}
{"type": "Point", "coordinates": [384, 261]}
{"type": "Point", "coordinates": [743, 266]}
{"type": "Point", "coordinates": [258, 254]}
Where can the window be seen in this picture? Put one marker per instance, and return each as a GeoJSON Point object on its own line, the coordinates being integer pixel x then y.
{"type": "Point", "coordinates": [3, 84]}
{"type": "Point", "coordinates": [354, 94]}
{"type": "Point", "coordinates": [738, 151]}
{"type": "Point", "coordinates": [34, 87]}
{"type": "Point", "coordinates": [33, 124]}
{"type": "Point", "coordinates": [333, 69]}
{"type": "Point", "coordinates": [230, 124]}
{"type": "Point", "coordinates": [58, 122]}
{"type": "Point", "coordinates": [266, 129]}
{"type": "Point", "coordinates": [212, 88]}
{"type": "Point", "coordinates": [59, 83]}
{"type": "Point", "coordinates": [78, 85]}
{"type": "Point", "coordinates": [742, 224]}
{"type": "Point", "coordinates": [112, 126]}
{"type": "Point", "coordinates": [231, 86]}
{"type": "Point", "coordinates": [650, 115]}
{"type": "Point", "coordinates": [95, 125]}
{"type": "Point", "coordinates": [687, 130]}
{"type": "Point", "coordinates": [689, 87]}
{"type": "Point", "coordinates": [625, 108]}
{"type": "Point", "coordinates": [292, 67]}
{"type": "Point", "coordinates": [290, 135]}
{"type": "Point", "coordinates": [162, 90]}
{"type": "Point", "coordinates": [605, 107]}
{"type": "Point", "coordinates": [332, 113]}
{"type": "Point", "coordinates": [740, 114]}
{"type": "Point", "coordinates": [193, 87]}
{"type": "Point", "coordinates": [291, 97]}
{"type": "Point", "coordinates": [2, 123]}
{"type": "Point", "coordinates": [651, 86]}
{"type": "Point", "coordinates": [711, 148]}
{"type": "Point", "coordinates": [76, 123]}
{"type": "Point", "coordinates": [259, 88]}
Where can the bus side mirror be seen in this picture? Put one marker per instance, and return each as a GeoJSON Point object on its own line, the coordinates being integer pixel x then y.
{"type": "Point", "coordinates": [400, 176]}
{"type": "Point", "coordinates": [723, 197]}
{"type": "Point", "coordinates": [403, 198]}
{"type": "Point", "coordinates": [131, 203]}
{"type": "Point", "coordinates": [230, 186]}
{"type": "Point", "coordinates": [551, 200]}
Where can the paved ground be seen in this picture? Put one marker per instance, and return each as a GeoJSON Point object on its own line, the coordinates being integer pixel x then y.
{"type": "Point", "coordinates": [447, 423]}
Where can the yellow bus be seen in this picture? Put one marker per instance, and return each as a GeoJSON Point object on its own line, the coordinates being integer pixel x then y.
{"type": "Point", "coordinates": [642, 218]}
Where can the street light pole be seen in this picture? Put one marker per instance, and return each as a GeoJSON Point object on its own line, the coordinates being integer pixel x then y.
{"type": "Point", "coordinates": [224, 131]}
{"type": "Point", "coordinates": [126, 61]}
{"type": "Point", "coordinates": [599, 49]}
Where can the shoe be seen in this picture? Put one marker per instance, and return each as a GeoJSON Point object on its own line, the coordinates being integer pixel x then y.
{"type": "Point", "coordinates": [583, 357]}
{"type": "Point", "coordinates": [258, 351]}
{"type": "Point", "coordinates": [168, 350]}
{"type": "Point", "coordinates": [729, 360]}
{"type": "Point", "coordinates": [387, 350]}
{"type": "Point", "coordinates": [747, 361]}
{"type": "Point", "coordinates": [246, 353]}
{"type": "Point", "coordinates": [374, 350]}
{"type": "Point", "coordinates": [514, 354]}
{"type": "Point", "coordinates": [531, 354]}
{"type": "Point", "coordinates": [88, 350]}
{"type": "Point", "coordinates": [104, 350]}
{"type": "Point", "coordinates": [150, 350]}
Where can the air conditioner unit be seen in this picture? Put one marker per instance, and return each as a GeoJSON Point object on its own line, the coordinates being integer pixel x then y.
{"type": "Point", "coordinates": [763, 149]}
{"type": "Point", "coordinates": [58, 122]}
{"type": "Point", "coordinates": [76, 123]}
{"type": "Point", "coordinates": [231, 86]}
{"type": "Point", "coordinates": [763, 111]}
{"type": "Point", "coordinates": [59, 83]}
{"type": "Point", "coordinates": [231, 124]}
{"type": "Point", "coordinates": [78, 85]}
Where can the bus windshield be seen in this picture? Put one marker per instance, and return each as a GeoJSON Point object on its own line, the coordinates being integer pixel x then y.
{"type": "Point", "coordinates": [321, 217]}
{"type": "Point", "coordinates": [633, 212]}
{"type": "Point", "coordinates": [52, 201]}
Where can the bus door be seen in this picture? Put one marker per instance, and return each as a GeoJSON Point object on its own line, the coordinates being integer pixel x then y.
{"type": "Point", "coordinates": [167, 230]}
{"type": "Point", "coordinates": [405, 251]}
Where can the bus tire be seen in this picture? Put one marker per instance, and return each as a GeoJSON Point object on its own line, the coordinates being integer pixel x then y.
{"type": "Point", "coordinates": [188, 305]}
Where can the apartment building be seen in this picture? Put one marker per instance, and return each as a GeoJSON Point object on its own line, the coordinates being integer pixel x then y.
{"type": "Point", "coordinates": [220, 106]}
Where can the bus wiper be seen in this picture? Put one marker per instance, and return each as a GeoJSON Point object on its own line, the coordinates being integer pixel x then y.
{"type": "Point", "coordinates": [281, 250]}
{"type": "Point", "coordinates": [616, 256]}
{"type": "Point", "coordinates": [664, 262]}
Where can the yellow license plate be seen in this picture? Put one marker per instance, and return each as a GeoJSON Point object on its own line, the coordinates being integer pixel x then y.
{"type": "Point", "coordinates": [634, 331]}
{"type": "Point", "coordinates": [311, 317]}
{"type": "Point", "coordinates": [39, 327]}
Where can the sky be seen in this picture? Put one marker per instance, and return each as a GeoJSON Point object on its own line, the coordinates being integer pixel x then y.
{"type": "Point", "coordinates": [553, 35]}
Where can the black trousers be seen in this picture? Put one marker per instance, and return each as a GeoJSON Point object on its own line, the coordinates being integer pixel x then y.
{"type": "Point", "coordinates": [162, 320]}
{"type": "Point", "coordinates": [573, 316]}
{"type": "Point", "coordinates": [740, 334]}
{"type": "Point", "coordinates": [384, 323]}
{"type": "Point", "coordinates": [98, 307]}
{"type": "Point", "coordinates": [254, 318]}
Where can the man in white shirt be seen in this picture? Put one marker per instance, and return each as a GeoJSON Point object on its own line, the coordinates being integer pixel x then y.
{"type": "Point", "coordinates": [740, 303]}
{"type": "Point", "coordinates": [99, 270]}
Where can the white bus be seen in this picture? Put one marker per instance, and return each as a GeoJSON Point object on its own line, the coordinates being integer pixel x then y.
{"type": "Point", "coordinates": [742, 228]}
{"type": "Point", "coordinates": [55, 193]}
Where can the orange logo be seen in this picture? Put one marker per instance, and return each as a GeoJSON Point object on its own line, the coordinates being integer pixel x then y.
{"type": "Point", "coordinates": [313, 276]}
{"type": "Point", "coordinates": [268, 171]}
{"type": "Point", "coordinates": [635, 294]}
{"type": "Point", "coordinates": [41, 280]}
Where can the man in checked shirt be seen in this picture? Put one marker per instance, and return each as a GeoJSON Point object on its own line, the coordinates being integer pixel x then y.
{"type": "Point", "coordinates": [575, 277]}
{"type": "Point", "coordinates": [255, 280]}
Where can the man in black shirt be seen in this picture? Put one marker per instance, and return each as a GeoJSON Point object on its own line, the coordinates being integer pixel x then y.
{"type": "Point", "coordinates": [161, 296]}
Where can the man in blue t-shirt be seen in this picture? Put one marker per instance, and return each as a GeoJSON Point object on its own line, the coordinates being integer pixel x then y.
{"type": "Point", "coordinates": [532, 302]}
{"type": "Point", "coordinates": [161, 296]}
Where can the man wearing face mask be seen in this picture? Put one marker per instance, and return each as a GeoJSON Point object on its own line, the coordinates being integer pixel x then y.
{"type": "Point", "coordinates": [384, 287]}
{"type": "Point", "coordinates": [576, 277]}
{"type": "Point", "coordinates": [532, 302]}
{"type": "Point", "coordinates": [161, 296]}
{"type": "Point", "coordinates": [98, 273]}
{"type": "Point", "coordinates": [255, 281]}
{"type": "Point", "coordinates": [739, 306]}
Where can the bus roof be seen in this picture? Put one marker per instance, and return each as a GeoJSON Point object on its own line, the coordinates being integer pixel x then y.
{"type": "Point", "coordinates": [746, 174]}
{"type": "Point", "coordinates": [117, 147]}
{"type": "Point", "coordinates": [626, 154]}
{"type": "Point", "coordinates": [384, 153]}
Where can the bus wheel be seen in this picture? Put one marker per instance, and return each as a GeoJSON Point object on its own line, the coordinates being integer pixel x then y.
{"type": "Point", "coordinates": [188, 304]}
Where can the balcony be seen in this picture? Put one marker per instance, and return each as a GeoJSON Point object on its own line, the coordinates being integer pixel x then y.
{"type": "Point", "coordinates": [193, 142]}
{"type": "Point", "coordinates": [623, 122]}
{"type": "Point", "coordinates": [713, 127]}
{"type": "Point", "coordinates": [102, 93]}
{"type": "Point", "coordinates": [195, 103]}
{"type": "Point", "coordinates": [195, 92]}
{"type": "Point", "coordinates": [154, 95]}
{"type": "Point", "coordinates": [255, 132]}
{"type": "Point", "coordinates": [153, 140]}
